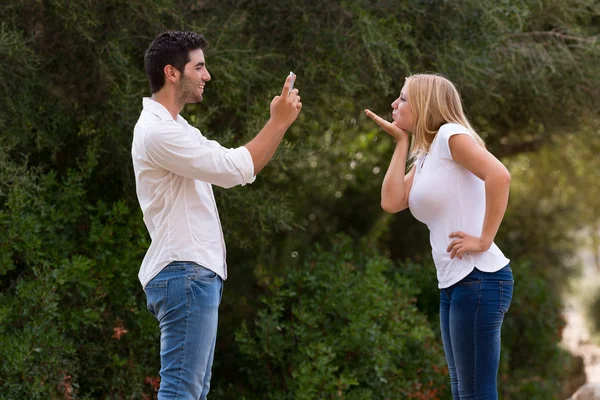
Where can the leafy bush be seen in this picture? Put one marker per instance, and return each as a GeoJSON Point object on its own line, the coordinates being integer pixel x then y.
{"type": "Point", "coordinates": [72, 315]}
{"type": "Point", "coordinates": [337, 326]}
{"type": "Point", "coordinates": [73, 318]}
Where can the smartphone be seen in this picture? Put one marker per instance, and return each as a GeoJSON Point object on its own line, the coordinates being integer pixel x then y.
{"type": "Point", "coordinates": [293, 79]}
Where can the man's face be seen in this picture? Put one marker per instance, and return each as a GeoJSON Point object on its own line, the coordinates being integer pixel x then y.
{"type": "Point", "coordinates": [190, 88]}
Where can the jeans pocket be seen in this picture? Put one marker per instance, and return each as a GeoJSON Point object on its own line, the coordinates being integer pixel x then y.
{"type": "Point", "coordinates": [202, 274]}
{"type": "Point", "coordinates": [156, 298]}
{"type": "Point", "coordinates": [506, 294]}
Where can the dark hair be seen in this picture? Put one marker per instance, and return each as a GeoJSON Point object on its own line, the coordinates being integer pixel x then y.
{"type": "Point", "coordinates": [170, 48]}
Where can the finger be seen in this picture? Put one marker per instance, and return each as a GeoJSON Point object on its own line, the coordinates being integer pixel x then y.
{"type": "Point", "coordinates": [452, 244]}
{"type": "Point", "coordinates": [454, 250]}
{"type": "Point", "coordinates": [293, 95]}
{"type": "Point", "coordinates": [298, 106]}
{"type": "Point", "coordinates": [458, 234]}
{"type": "Point", "coordinates": [378, 120]}
{"type": "Point", "coordinates": [286, 86]}
{"type": "Point", "coordinates": [371, 114]}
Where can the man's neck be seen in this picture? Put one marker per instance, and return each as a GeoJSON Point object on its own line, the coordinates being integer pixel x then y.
{"type": "Point", "coordinates": [167, 99]}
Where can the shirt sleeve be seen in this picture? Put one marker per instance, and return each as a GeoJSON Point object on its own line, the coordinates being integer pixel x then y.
{"type": "Point", "coordinates": [188, 154]}
{"type": "Point", "coordinates": [445, 133]}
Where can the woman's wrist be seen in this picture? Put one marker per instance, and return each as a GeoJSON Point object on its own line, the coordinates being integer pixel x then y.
{"type": "Point", "coordinates": [486, 243]}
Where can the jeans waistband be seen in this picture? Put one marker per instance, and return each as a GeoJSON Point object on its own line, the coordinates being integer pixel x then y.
{"type": "Point", "coordinates": [504, 274]}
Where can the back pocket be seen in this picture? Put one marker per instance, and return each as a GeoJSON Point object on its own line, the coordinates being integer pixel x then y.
{"type": "Point", "coordinates": [156, 298]}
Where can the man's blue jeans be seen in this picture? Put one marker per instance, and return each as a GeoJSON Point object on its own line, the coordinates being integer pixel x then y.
{"type": "Point", "coordinates": [471, 315]}
{"type": "Point", "coordinates": [184, 297]}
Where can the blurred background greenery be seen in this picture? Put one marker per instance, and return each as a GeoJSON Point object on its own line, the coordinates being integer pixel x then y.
{"type": "Point", "coordinates": [328, 297]}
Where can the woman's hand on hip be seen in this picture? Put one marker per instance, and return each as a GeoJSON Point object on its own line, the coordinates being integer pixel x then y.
{"type": "Point", "coordinates": [388, 127]}
{"type": "Point", "coordinates": [464, 243]}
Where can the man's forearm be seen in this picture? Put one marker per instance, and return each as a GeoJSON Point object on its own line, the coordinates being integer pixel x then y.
{"type": "Point", "coordinates": [263, 146]}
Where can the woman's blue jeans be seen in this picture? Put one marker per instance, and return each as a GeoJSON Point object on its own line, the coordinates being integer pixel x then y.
{"type": "Point", "coordinates": [471, 315]}
{"type": "Point", "coordinates": [184, 297]}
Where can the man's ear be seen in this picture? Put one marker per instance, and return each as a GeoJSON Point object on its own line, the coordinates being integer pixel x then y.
{"type": "Point", "coordinates": [171, 73]}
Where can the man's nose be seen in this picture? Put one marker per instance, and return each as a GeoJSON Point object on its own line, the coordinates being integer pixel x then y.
{"type": "Point", "coordinates": [206, 76]}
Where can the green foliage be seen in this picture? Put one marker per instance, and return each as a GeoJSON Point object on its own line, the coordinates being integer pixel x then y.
{"type": "Point", "coordinates": [554, 197]}
{"type": "Point", "coordinates": [70, 92]}
{"type": "Point", "coordinates": [532, 358]}
{"type": "Point", "coordinates": [66, 286]}
{"type": "Point", "coordinates": [337, 326]}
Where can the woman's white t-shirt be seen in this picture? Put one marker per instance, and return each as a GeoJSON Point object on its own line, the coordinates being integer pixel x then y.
{"type": "Point", "coordinates": [449, 198]}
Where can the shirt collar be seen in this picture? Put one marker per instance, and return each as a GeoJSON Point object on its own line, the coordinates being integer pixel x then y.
{"type": "Point", "coordinates": [160, 111]}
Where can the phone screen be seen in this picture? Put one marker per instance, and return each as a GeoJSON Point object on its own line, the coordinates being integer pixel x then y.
{"type": "Point", "coordinates": [293, 79]}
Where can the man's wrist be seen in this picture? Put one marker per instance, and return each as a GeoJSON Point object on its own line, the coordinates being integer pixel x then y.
{"type": "Point", "coordinates": [278, 125]}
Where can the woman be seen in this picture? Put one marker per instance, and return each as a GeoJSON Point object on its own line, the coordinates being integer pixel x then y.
{"type": "Point", "coordinates": [460, 191]}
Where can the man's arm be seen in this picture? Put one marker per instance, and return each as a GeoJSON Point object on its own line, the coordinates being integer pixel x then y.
{"type": "Point", "coordinates": [284, 111]}
{"type": "Point", "coordinates": [172, 148]}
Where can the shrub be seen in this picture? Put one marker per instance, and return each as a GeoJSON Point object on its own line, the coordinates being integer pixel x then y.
{"type": "Point", "coordinates": [336, 326]}
{"type": "Point", "coordinates": [72, 313]}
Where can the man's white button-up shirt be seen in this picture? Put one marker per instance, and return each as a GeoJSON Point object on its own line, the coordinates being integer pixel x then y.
{"type": "Point", "coordinates": [175, 168]}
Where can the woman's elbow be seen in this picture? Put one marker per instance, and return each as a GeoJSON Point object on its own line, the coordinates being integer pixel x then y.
{"type": "Point", "coordinates": [390, 206]}
{"type": "Point", "coordinates": [500, 177]}
{"type": "Point", "coordinates": [505, 177]}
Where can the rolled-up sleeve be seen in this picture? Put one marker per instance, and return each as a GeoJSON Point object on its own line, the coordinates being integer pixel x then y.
{"type": "Point", "coordinates": [184, 153]}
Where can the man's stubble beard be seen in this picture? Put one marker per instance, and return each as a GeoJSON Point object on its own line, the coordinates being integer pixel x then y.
{"type": "Point", "coordinates": [186, 93]}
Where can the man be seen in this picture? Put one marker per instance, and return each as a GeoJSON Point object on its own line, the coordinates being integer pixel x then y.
{"type": "Point", "coordinates": [175, 168]}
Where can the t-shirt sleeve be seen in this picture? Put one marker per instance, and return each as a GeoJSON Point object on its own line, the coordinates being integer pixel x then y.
{"type": "Point", "coordinates": [444, 135]}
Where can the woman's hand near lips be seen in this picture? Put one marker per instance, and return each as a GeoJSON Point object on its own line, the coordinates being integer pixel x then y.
{"type": "Point", "coordinates": [388, 127]}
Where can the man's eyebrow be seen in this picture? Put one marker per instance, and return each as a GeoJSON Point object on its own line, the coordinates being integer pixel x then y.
{"type": "Point", "coordinates": [200, 64]}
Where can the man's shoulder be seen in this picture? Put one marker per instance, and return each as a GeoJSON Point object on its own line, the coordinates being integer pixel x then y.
{"type": "Point", "coordinates": [150, 124]}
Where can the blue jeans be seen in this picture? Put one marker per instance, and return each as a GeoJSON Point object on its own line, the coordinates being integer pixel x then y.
{"type": "Point", "coordinates": [471, 315]}
{"type": "Point", "coordinates": [184, 297]}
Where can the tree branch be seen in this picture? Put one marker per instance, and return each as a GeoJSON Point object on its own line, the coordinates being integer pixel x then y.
{"type": "Point", "coordinates": [554, 34]}
{"type": "Point", "coordinates": [510, 149]}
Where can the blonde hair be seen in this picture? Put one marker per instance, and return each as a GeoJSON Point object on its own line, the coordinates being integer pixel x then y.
{"type": "Point", "coordinates": [434, 101]}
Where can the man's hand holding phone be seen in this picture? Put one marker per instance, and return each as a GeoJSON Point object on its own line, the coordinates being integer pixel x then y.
{"type": "Point", "coordinates": [286, 107]}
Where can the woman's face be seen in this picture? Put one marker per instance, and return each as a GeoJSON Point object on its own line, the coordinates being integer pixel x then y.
{"type": "Point", "coordinates": [402, 113]}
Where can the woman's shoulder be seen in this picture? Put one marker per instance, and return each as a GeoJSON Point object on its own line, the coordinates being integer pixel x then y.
{"type": "Point", "coordinates": [442, 138]}
{"type": "Point", "coordinates": [450, 128]}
